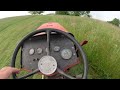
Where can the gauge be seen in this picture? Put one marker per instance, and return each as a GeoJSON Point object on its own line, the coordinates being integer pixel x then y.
{"type": "Point", "coordinates": [39, 50]}
{"type": "Point", "coordinates": [66, 53]}
{"type": "Point", "coordinates": [31, 51]}
{"type": "Point", "coordinates": [47, 65]}
{"type": "Point", "coordinates": [56, 48]}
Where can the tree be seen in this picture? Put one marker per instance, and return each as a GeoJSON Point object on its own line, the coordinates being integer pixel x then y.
{"type": "Point", "coordinates": [115, 21]}
{"type": "Point", "coordinates": [80, 13]}
{"type": "Point", "coordinates": [62, 12]}
{"type": "Point", "coordinates": [36, 12]}
{"type": "Point", "coordinates": [74, 13]}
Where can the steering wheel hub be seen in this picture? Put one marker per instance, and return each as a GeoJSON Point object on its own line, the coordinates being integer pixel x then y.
{"type": "Point", "coordinates": [47, 65]}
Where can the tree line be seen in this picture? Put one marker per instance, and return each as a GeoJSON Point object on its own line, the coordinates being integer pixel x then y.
{"type": "Point", "coordinates": [115, 21]}
{"type": "Point", "coordinates": [72, 13]}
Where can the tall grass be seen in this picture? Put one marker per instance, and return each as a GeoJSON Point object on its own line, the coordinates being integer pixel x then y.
{"type": "Point", "coordinates": [102, 50]}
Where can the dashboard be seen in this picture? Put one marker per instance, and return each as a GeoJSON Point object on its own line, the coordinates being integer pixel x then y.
{"type": "Point", "coordinates": [61, 48]}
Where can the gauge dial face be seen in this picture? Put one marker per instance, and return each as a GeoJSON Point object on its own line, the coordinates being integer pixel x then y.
{"type": "Point", "coordinates": [56, 48]}
{"type": "Point", "coordinates": [66, 54]}
{"type": "Point", "coordinates": [31, 51]}
{"type": "Point", "coordinates": [39, 50]}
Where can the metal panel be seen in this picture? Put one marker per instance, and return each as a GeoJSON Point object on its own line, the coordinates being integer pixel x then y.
{"type": "Point", "coordinates": [30, 62]}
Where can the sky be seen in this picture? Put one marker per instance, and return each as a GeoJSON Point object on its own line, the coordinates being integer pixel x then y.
{"type": "Point", "coordinates": [101, 15]}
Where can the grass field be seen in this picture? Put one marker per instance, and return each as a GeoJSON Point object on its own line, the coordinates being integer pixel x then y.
{"type": "Point", "coordinates": [102, 50]}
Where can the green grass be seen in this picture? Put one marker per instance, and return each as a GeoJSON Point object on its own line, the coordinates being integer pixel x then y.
{"type": "Point", "coordinates": [102, 50]}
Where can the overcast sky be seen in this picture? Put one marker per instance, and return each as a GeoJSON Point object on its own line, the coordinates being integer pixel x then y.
{"type": "Point", "coordinates": [101, 15]}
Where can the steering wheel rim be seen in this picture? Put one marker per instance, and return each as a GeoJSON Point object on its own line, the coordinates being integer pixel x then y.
{"type": "Point", "coordinates": [48, 30]}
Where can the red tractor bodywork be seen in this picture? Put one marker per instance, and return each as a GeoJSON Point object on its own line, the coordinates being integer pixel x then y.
{"type": "Point", "coordinates": [53, 25]}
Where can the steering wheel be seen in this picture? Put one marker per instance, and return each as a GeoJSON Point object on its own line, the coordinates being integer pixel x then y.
{"type": "Point", "coordinates": [48, 58]}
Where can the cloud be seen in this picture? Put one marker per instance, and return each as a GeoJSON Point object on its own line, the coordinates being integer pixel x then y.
{"type": "Point", "coordinates": [4, 14]}
{"type": "Point", "coordinates": [105, 15]}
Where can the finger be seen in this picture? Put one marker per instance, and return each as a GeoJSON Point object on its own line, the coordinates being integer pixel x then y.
{"type": "Point", "coordinates": [11, 70]}
{"type": "Point", "coordinates": [15, 70]}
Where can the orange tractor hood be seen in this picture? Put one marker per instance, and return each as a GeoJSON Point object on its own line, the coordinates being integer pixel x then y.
{"type": "Point", "coordinates": [53, 25]}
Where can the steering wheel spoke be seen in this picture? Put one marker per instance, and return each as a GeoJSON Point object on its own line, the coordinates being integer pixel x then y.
{"type": "Point", "coordinates": [48, 41]}
{"type": "Point", "coordinates": [64, 74]}
{"type": "Point", "coordinates": [29, 74]}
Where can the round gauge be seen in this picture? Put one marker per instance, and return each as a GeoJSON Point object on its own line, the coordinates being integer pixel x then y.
{"type": "Point", "coordinates": [31, 51]}
{"type": "Point", "coordinates": [47, 65]}
{"type": "Point", "coordinates": [56, 48]}
{"type": "Point", "coordinates": [39, 50]}
{"type": "Point", "coordinates": [66, 53]}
